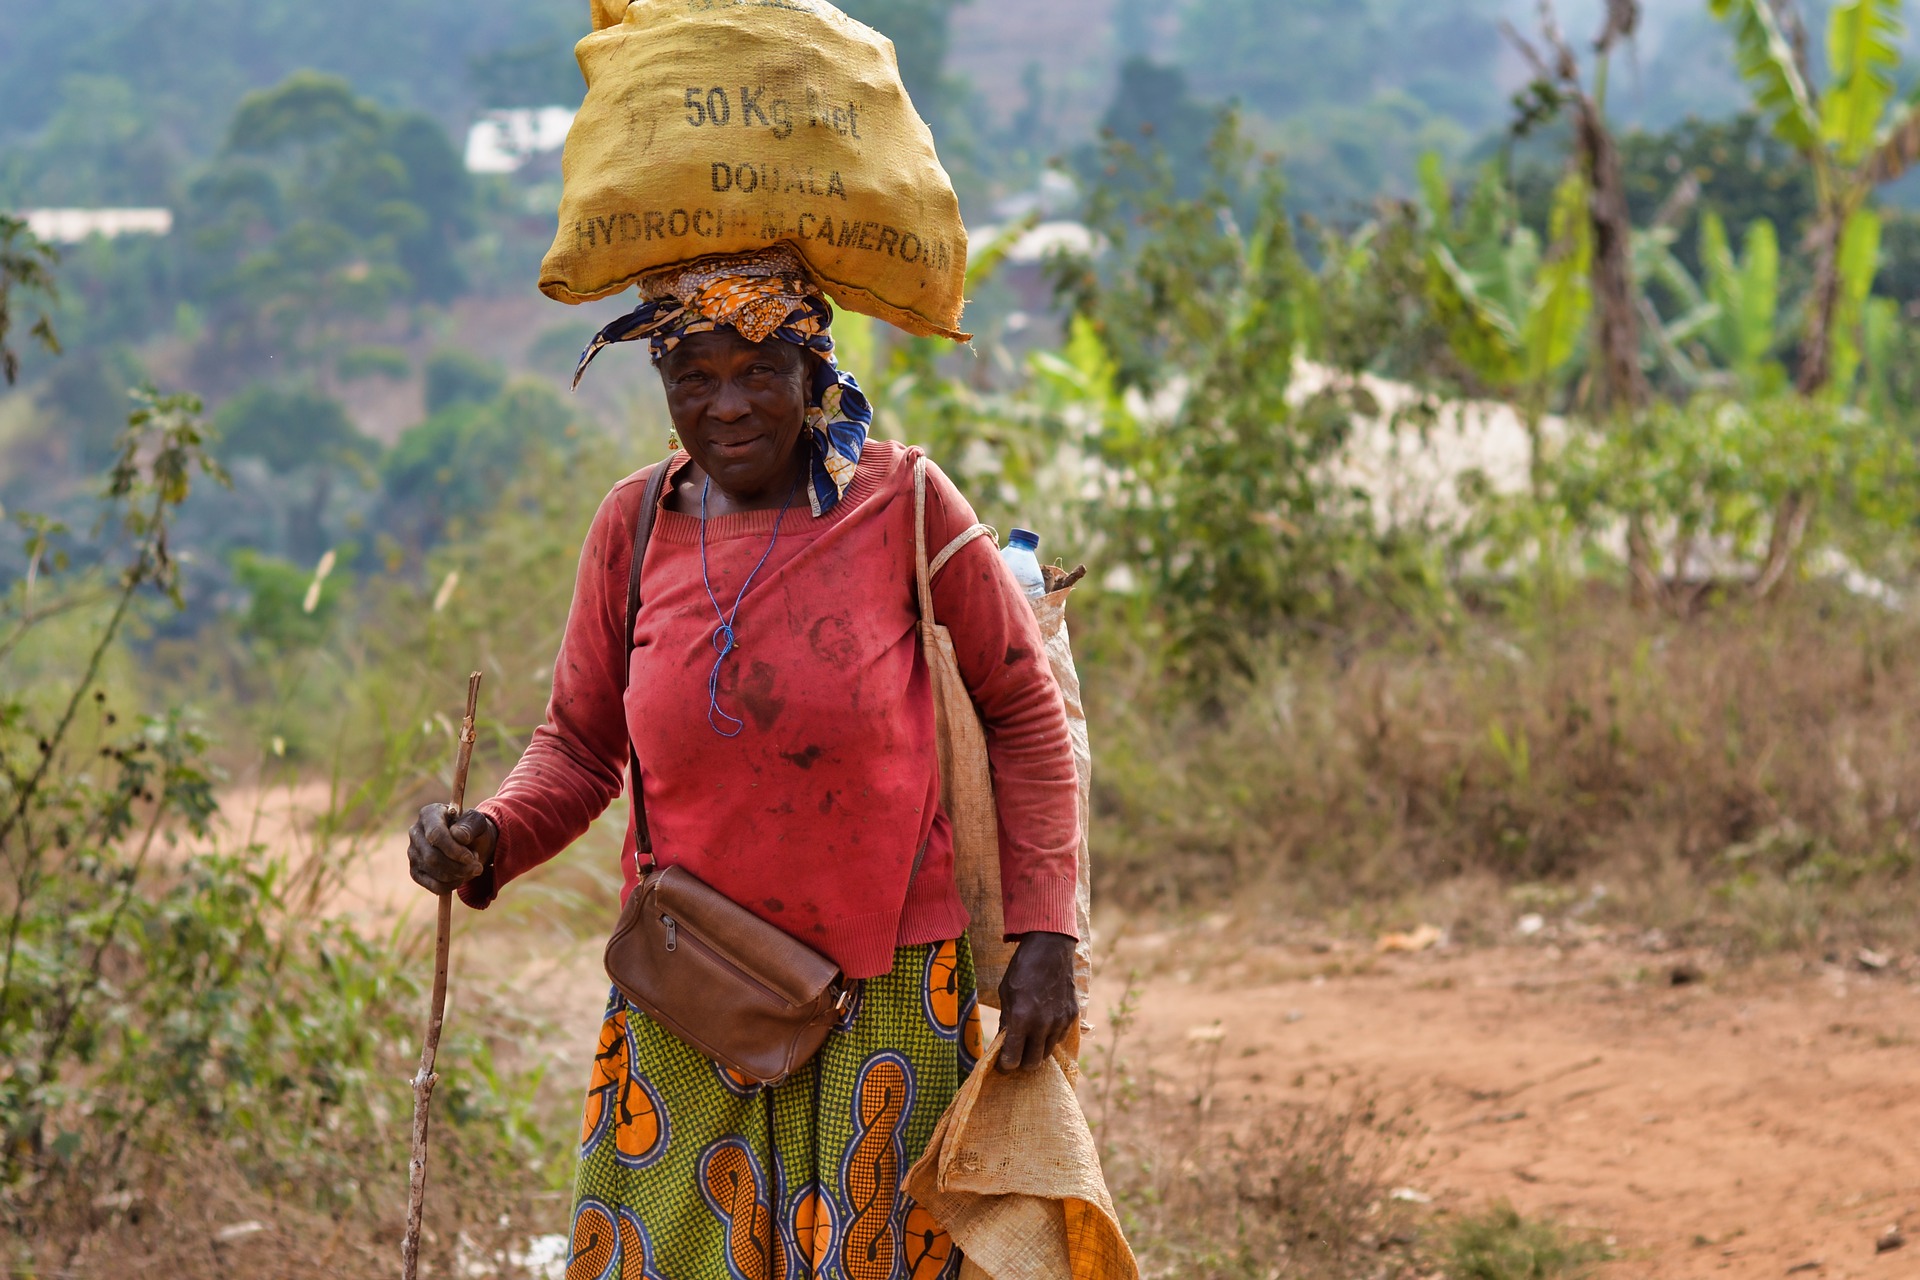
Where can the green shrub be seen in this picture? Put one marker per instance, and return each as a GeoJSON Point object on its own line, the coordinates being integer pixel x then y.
{"type": "Point", "coordinates": [357, 363]}
{"type": "Point", "coordinates": [459, 377]}
{"type": "Point", "coordinates": [278, 594]}
{"type": "Point", "coordinates": [175, 1011]}
{"type": "Point", "coordinates": [1499, 1244]}
{"type": "Point", "coordinates": [460, 463]}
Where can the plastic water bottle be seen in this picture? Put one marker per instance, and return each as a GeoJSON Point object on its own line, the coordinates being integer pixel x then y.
{"type": "Point", "coordinates": [1021, 555]}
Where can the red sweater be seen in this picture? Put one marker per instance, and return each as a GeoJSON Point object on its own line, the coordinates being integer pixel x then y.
{"type": "Point", "coordinates": [811, 817]}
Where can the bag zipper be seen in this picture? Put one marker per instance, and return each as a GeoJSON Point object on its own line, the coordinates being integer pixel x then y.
{"type": "Point", "coordinates": [673, 944]}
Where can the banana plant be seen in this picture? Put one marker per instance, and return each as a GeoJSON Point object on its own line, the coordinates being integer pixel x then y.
{"type": "Point", "coordinates": [1858, 261]}
{"type": "Point", "coordinates": [1744, 292]}
{"type": "Point", "coordinates": [1855, 133]}
{"type": "Point", "coordinates": [1725, 330]}
{"type": "Point", "coordinates": [1513, 312]}
{"type": "Point", "coordinates": [1670, 341]}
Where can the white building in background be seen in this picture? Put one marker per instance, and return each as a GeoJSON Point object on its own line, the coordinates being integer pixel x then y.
{"type": "Point", "coordinates": [502, 141]}
{"type": "Point", "coordinates": [1037, 243]}
{"type": "Point", "coordinates": [71, 226]}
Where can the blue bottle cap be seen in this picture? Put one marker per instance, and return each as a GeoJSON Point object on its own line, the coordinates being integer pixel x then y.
{"type": "Point", "coordinates": [1023, 538]}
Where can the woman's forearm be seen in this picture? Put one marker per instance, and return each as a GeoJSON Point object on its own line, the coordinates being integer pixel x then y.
{"type": "Point", "coordinates": [572, 769]}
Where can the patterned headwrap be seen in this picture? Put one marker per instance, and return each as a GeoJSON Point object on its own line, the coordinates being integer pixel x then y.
{"type": "Point", "coordinates": [762, 295]}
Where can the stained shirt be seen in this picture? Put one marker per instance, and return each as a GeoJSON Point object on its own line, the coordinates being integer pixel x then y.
{"type": "Point", "coordinates": [812, 815]}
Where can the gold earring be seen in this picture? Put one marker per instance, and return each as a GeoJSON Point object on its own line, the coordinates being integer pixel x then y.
{"type": "Point", "coordinates": [673, 438]}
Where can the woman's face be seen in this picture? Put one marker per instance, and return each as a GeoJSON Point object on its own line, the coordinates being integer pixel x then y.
{"type": "Point", "coordinates": [739, 408]}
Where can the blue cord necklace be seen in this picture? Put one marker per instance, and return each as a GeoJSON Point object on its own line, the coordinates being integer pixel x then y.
{"type": "Point", "coordinates": [724, 639]}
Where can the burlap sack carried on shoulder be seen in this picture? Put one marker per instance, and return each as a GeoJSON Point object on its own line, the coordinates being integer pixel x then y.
{"type": "Point", "coordinates": [1011, 1171]}
{"type": "Point", "coordinates": [966, 781]}
{"type": "Point", "coordinates": [723, 126]}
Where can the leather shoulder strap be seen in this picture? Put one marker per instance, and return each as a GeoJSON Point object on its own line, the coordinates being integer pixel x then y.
{"type": "Point", "coordinates": [922, 576]}
{"type": "Point", "coordinates": [642, 533]}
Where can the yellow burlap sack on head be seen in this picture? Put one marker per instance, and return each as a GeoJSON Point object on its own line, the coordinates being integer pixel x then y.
{"type": "Point", "coordinates": [723, 126]}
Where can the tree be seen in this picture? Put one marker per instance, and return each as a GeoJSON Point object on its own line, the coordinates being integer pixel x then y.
{"type": "Point", "coordinates": [459, 377]}
{"type": "Point", "coordinates": [1284, 59]}
{"type": "Point", "coordinates": [1618, 385]}
{"type": "Point", "coordinates": [322, 208]}
{"type": "Point", "coordinates": [99, 148]}
{"type": "Point", "coordinates": [85, 395]}
{"type": "Point", "coordinates": [460, 460]}
{"type": "Point", "coordinates": [1852, 134]}
{"type": "Point", "coordinates": [1737, 168]}
{"type": "Point", "coordinates": [543, 74]}
{"type": "Point", "coordinates": [1153, 115]}
{"type": "Point", "coordinates": [188, 61]}
{"type": "Point", "coordinates": [296, 432]}
{"type": "Point", "coordinates": [1220, 501]}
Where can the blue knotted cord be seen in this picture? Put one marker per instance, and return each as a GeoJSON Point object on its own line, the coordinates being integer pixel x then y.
{"type": "Point", "coordinates": [724, 639]}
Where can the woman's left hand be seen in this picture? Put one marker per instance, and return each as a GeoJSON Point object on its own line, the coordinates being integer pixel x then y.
{"type": "Point", "coordinates": [1038, 1005]}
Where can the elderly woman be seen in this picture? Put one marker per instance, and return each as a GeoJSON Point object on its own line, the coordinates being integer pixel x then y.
{"type": "Point", "coordinates": [779, 709]}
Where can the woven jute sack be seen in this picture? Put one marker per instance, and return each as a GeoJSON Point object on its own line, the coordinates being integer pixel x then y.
{"type": "Point", "coordinates": [1011, 1170]}
{"type": "Point", "coordinates": [723, 126]}
{"type": "Point", "coordinates": [1013, 1175]}
{"type": "Point", "coordinates": [966, 780]}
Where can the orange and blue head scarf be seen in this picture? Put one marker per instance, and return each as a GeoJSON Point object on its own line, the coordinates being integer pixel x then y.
{"type": "Point", "coordinates": [763, 295]}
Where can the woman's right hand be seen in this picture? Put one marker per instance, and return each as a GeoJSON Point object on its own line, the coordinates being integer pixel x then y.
{"type": "Point", "coordinates": [442, 856]}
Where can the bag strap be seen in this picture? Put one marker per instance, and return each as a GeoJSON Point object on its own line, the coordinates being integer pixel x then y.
{"type": "Point", "coordinates": [923, 569]}
{"type": "Point", "coordinates": [642, 534]}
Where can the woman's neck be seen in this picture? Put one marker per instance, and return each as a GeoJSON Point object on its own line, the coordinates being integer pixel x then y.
{"type": "Point", "coordinates": [685, 494]}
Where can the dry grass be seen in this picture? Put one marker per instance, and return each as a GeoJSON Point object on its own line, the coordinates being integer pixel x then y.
{"type": "Point", "coordinates": [1748, 777]}
{"type": "Point", "coordinates": [194, 1212]}
{"type": "Point", "coordinates": [1321, 1190]}
{"type": "Point", "coordinates": [1303, 1192]}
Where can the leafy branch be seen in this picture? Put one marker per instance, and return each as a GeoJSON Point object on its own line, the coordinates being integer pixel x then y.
{"type": "Point", "coordinates": [162, 448]}
{"type": "Point", "coordinates": [26, 264]}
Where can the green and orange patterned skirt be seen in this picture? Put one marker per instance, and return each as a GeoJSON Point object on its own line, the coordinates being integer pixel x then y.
{"type": "Point", "coordinates": [687, 1173]}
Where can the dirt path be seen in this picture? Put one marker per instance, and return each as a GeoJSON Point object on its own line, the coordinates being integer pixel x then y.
{"type": "Point", "coordinates": [1746, 1123]}
{"type": "Point", "coordinates": [1742, 1125]}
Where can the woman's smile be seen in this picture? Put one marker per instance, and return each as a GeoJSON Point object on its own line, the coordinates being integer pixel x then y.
{"type": "Point", "coordinates": [739, 408]}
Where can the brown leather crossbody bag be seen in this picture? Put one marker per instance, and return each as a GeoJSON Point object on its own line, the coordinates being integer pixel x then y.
{"type": "Point", "coordinates": [743, 992]}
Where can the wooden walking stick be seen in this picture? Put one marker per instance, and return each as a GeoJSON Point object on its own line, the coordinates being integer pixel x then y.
{"type": "Point", "coordinates": [423, 1082]}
